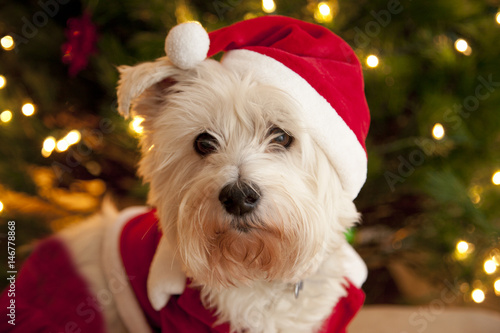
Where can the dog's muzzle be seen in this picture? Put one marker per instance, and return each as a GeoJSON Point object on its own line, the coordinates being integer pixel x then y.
{"type": "Point", "coordinates": [240, 198]}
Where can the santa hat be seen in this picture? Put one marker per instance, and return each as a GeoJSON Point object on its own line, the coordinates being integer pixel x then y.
{"type": "Point", "coordinates": [309, 62]}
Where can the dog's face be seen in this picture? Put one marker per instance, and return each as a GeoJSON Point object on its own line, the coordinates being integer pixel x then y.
{"type": "Point", "coordinates": [240, 186]}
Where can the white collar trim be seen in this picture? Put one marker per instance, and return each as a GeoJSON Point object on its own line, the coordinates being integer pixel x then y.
{"type": "Point", "coordinates": [166, 276]}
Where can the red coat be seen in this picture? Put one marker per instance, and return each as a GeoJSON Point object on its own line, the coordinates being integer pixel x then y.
{"type": "Point", "coordinates": [52, 297]}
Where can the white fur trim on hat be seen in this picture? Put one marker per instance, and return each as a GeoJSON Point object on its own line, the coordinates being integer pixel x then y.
{"type": "Point", "coordinates": [327, 128]}
{"type": "Point", "coordinates": [187, 45]}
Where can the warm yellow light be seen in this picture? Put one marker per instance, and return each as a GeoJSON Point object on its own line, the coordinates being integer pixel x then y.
{"type": "Point", "coordinates": [496, 285]}
{"type": "Point", "coordinates": [324, 9]}
{"type": "Point", "coordinates": [462, 247]}
{"type": "Point", "coordinates": [438, 131]}
{"type": "Point", "coordinates": [3, 81]}
{"type": "Point", "coordinates": [461, 45]}
{"type": "Point", "coordinates": [268, 6]}
{"type": "Point", "coordinates": [498, 17]}
{"type": "Point", "coordinates": [7, 43]}
{"type": "Point", "coordinates": [28, 109]}
{"type": "Point", "coordinates": [490, 267]}
{"type": "Point", "coordinates": [73, 137]}
{"type": "Point", "coordinates": [62, 145]}
{"type": "Point", "coordinates": [462, 250]}
{"type": "Point", "coordinates": [49, 144]}
{"type": "Point", "coordinates": [6, 116]}
{"type": "Point", "coordinates": [372, 61]}
{"type": "Point", "coordinates": [135, 125]}
{"type": "Point", "coordinates": [478, 295]}
{"type": "Point", "coordinates": [324, 12]}
{"type": "Point", "coordinates": [495, 179]}
{"type": "Point", "coordinates": [46, 153]}
{"type": "Point", "coordinates": [1, 206]}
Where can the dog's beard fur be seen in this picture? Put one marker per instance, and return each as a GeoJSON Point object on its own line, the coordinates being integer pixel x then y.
{"type": "Point", "coordinates": [302, 212]}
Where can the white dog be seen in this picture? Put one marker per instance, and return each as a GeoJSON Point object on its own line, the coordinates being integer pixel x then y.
{"type": "Point", "coordinates": [252, 169]}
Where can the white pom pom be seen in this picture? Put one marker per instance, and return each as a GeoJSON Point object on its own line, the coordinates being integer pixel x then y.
{"type": "Point", "coordinates": [187, 45]}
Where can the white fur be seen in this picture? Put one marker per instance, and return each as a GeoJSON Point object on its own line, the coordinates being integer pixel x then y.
{"type": "Point", "coordinates": [271, 307]}
{"type": "Point", "coordinates": [297, 226]}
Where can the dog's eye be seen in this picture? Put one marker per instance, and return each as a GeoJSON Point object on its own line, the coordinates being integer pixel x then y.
{"type": "Point", "coordinates": [280, 137]}
{"type": "Point", "coordinates": [205, 144]}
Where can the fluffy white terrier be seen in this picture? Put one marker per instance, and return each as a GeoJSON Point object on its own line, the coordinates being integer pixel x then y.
{"type": "Point", "coordinates": [251, 207]}
{"type": "Point", "coordinates": [248, 202]}
{"type": "Point", "coordinates": [282, 219]}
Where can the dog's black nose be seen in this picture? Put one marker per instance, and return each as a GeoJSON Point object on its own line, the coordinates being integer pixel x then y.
{"type": "Point", "coordinates": [239, 198]}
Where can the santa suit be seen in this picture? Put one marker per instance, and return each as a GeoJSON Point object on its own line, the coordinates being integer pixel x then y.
{"type": "Point", "coordinates": [51, 296]}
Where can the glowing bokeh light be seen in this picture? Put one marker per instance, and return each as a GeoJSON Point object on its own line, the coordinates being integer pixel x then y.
{"type": "Point", "coordinates": [495, 179]}
{"type": "Point", "coordinates": [268, 6]}
{"type": "Point", "coordinates": [62, 145]}
{"type": "Point", "coordinates": [462, 247]}
{"type": "Point", "coordinates": [461, 45]}
{"type": "Point", "coordinates": [49, 144]}
{"type": "Point", "coordinates": [6, 116]}
{"type": "Point", "coordinates": [324, 9]}
{"type": "Point", "coordinates": [135, 125]}
{"type": "Point", "coordinates": [73, 137]}
{"type": "Point", "coordinates": [7, 43]}
{"type": "Point", "coordinates": [28, 109]}
{"type": "Point", "coordinates": [478, 295]}
{"type": "Point", "coordinates": [489, 266]}
{"type": "Point", "coordinates": [372, 61]}
{"type": "Point", "coordinates": [46, 153]}
{"type": "Point", "coordinates": [496, 285]}
{"type": "Point", "coordinates": [438, 131]}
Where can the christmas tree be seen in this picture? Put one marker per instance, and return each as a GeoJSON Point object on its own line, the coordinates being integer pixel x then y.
{"type": "Point", "coordinates": [430, 204]}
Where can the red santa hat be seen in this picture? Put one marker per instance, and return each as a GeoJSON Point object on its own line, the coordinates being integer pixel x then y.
{"type": "Point", "coordinates": [308, 61]}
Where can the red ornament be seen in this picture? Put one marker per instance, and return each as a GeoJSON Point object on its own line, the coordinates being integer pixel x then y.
{"type": "Point", "coordinates": [81, 34]}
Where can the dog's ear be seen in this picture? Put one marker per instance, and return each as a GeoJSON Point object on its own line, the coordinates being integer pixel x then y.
{"type": "Point", "coordinates": [134, 80]}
